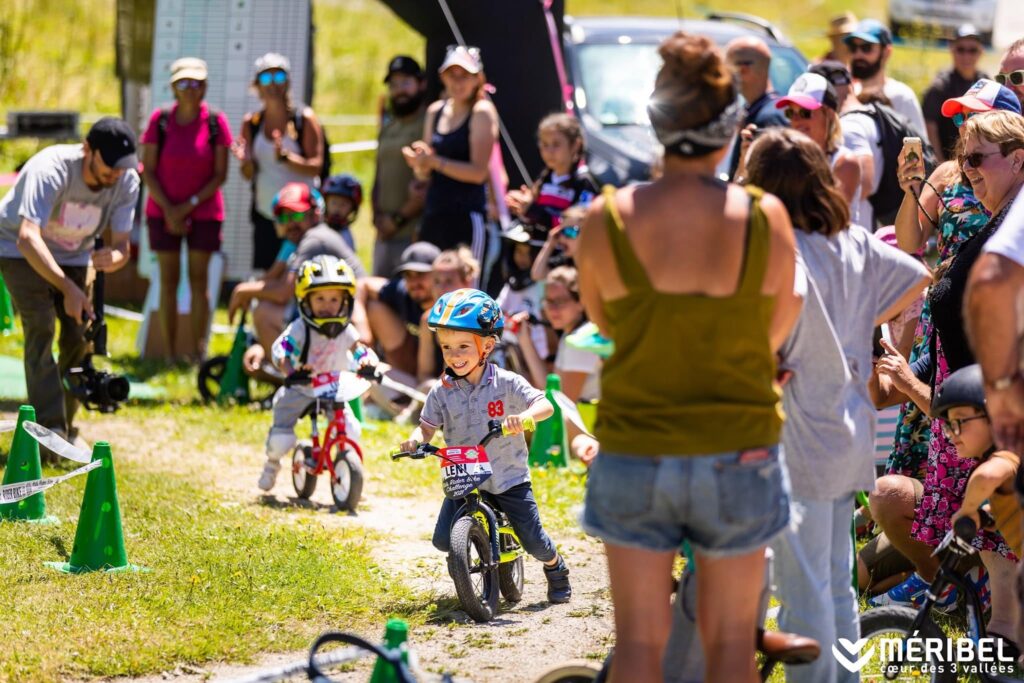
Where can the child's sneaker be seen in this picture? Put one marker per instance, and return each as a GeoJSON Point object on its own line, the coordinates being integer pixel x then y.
{"type": "Point", "coordinates": [911, 593]}
{"type": "Point", "coordinates": [559, 589]}
{"type": "Point", "coordinates": [269, 476]}
{"type": "Point", "coordinates": [979, 581]}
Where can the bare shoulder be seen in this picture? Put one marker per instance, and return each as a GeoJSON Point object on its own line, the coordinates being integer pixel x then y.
{"type": "Point", "coordinates": [435, 106]}
{"type": "Point", "coordinates": [485, 110]}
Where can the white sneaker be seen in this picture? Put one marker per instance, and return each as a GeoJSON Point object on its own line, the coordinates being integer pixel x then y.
{"type": "Point", "coordinates": [269, 476]}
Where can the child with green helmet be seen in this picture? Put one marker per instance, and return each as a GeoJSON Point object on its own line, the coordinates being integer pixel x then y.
{"type": "Point", "coordinates": [471, 392]}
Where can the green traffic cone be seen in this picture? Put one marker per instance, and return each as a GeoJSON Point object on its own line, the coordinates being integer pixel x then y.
{"type": "Point", "coordinates": [6, 309]}
{"type": "Point", "coordinates": [23, 465]}
{"type": "Point", "coordinates": [549, 446]}
{"type": "Point", "coordinates": [396, 633]}
{"type": "Point", "coordinates": [234, 383]}
{"type": "Point", "coordinates": [99, 538]}
{"type": "Point", "coordinates": [356, 405]}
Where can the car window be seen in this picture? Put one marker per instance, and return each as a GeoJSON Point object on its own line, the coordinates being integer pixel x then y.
{"type": "Point", "coordinates": [618, 79]}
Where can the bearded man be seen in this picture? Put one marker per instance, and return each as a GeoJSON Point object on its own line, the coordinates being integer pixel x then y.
{"type": "Point", "coordinates": [870, 46]}
{"type": "Point", "coordinates": [397, 196]}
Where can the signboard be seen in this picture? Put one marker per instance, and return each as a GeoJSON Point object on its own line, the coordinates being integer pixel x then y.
{"type": "Point", "coordinates": [230, 35]}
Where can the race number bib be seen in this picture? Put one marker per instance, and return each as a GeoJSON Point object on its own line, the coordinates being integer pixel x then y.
{"type": "Point", "coordinates": [463, 468]}
{"type": "Point", "coordinates": [76, 223]}
{"type": "Point", "coordinates": [325, 385]}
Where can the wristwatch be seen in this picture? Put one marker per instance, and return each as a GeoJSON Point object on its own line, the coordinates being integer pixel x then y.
{"type": "Point", "coordinates": [398, 219]}
{"type": "Point", "coordinates": [194, 200]}
{"type": "Point", "coordinates": [1003, 383]}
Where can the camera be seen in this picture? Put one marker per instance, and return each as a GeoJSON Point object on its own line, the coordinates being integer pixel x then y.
{"type": "Point", "coordinates": [97, 389]}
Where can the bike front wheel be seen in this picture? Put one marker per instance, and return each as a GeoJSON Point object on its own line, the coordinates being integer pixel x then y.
{"type": "Point", "coordinates": [303, 480]}
{"type": "Point", "coordinates": [572, 672]}
{"type": "Point", "coordinates": [469, 563]}
{"type": "Point", "coordinates": [347, 483]}
{"type": "Point", "coordinates": [882, 624]}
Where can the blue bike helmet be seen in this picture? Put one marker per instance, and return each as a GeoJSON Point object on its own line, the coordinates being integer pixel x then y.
{"type": "Point", "coordinates": [467, 310]}
{"type": "Point", "coordinates": [345, 185]}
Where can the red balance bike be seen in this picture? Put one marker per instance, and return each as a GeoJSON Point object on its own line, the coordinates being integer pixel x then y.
{"type": "Point", "coordinates": [336, 452]}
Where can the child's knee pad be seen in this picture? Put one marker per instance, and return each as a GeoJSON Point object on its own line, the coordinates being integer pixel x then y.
{"type": "Point", "coordinates": [279, 444]}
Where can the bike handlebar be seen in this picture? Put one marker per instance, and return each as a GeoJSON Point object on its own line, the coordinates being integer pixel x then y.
{"type": "Point", "coordinates": [425, 449]}
{"type": "Point", "coordinates": [297, 378]}
{"type": "Point", "coordinates": [966, 529]}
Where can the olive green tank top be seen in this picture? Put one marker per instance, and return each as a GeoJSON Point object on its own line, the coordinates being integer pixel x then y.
{"type": "Point", "coordinates": [691, 374]}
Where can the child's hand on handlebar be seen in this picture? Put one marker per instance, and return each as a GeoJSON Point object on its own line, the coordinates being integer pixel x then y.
{"type": "Point", "coordinates": [513, 425]}
{"type": "Point", "coordinates": [409, 445]}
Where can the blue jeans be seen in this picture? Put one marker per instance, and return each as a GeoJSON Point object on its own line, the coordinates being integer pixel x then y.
{"type": "Point", "coordinates": [813, 575]}
{"type": "Point", "coordinates": [519, 506]}
{"type": "Point", "coordinates": [725, 504]}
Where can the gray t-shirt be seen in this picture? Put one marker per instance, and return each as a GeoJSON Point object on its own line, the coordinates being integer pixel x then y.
{"type": "Point", "coordinates": [463, 410]}
{"type": "Point", "coordinates": [322, 239]}
{"type": "Point", "coordinates": [51, 192]}
{"type": "Point", "coordinates": [829, 431]}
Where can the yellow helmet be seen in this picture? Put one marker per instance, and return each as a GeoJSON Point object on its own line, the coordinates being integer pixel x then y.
{"type": "Point", "coordinates": [320, 273]}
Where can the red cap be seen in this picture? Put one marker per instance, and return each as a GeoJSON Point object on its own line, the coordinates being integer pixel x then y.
{"type": "Point", "coordinates": [293, 197]}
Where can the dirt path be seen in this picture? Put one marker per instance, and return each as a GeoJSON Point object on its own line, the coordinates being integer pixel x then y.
{"type": "Point", "coordinates": [522, 642]}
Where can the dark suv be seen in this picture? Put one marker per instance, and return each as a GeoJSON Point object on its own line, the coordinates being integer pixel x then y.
{"type": "Point", "coordinates": [612, 62]}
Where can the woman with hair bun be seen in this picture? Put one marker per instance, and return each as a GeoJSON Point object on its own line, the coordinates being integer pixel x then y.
{"type": "Point", "coordinates": [704, 293]}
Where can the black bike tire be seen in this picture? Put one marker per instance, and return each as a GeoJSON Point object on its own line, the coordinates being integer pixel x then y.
{"type": "Point", "coordinates": [308, 484]}
{"type": "Point", "coordinates": [465, 532]}
{"type": "Point", "coordinates": [347, 458]}
{"type": "Point", "coordinates": [571, 672]}
{"type": "Point", "coordinates": [208, 380]}
{"type": "Point", "coordinates": [510, 579]}
{"type": "Point", "coordinates": [899, 619]}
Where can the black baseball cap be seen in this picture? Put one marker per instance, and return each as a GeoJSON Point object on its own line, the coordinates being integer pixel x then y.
{"type": "Point", "coordinates": [835, 72]}
{"type": "Point", "coordinates": [418, 257]}
{"type": "Point", "coordinates": [403, 64]}
{"type": "Point", "coordinates": [114, 139]}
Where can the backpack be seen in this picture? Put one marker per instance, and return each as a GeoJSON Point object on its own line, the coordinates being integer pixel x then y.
{"type": "Point", "coordinates": [213, 123]}
{"type": "Point", "coordinates": [299, 122]}
{"type": "Point", "coordinates": [892, 128]}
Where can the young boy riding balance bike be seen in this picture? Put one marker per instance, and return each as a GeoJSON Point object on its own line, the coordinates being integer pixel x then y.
{"type": "Point", "coordinates": [318, 342]}
{"type": "Point", "coordinates": [471, 392]}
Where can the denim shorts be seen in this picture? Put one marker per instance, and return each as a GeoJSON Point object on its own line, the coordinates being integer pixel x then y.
{"type": "Point", "coordinates": [721, 505]}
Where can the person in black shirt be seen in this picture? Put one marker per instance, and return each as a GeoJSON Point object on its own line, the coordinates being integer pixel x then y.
{"type": "Point", "coordinates": [394, 307]}
{"type": "Point", "coordinates": [949, 83]}
{"type": "Point", "coordinates": [750, 58]}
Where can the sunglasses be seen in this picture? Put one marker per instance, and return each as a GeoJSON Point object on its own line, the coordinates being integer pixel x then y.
{"type": "Point", "coordinates": [976, 159]}
{"type": "Point", "coordinates": [276, 76]}
{"type": "Point", "coordinates": [187, 84]}
{"type": "Point", "coordinates": [557, 303]}
{"type": "Point", "coordinates": [798, 113]}
{"type": "Point", "coordinates": [960, 118]}
{"type": "Point", "coordinates": [1013, 78]}
{"type": "Point", "coordinates": [953, 427]}
{"type": "Point", "coordinates": [866, 48]}
{"type": "Point", "coordinates": [570, 232]}
{"type": "Point", "coordinates": [967, 50]}
{"type": "Point", "coordinates": [286, 217]}
{"type": "Point", "coordinates": [743, 63]}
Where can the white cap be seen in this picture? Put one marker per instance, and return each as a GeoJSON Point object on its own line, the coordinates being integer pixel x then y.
{"type": "Point", "coordinates": [466, 57]}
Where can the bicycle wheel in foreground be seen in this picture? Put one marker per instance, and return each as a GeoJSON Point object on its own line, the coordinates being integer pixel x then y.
{"type": "Point", "coordinates": [468, 562]}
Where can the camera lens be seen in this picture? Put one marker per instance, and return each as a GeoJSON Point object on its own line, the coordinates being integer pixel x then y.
{"type": "Point", "coordinates": [115, 387]}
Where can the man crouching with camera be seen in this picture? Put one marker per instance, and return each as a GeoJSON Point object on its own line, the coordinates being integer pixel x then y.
{"type": "Point", "coordinates": [65, 196]}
